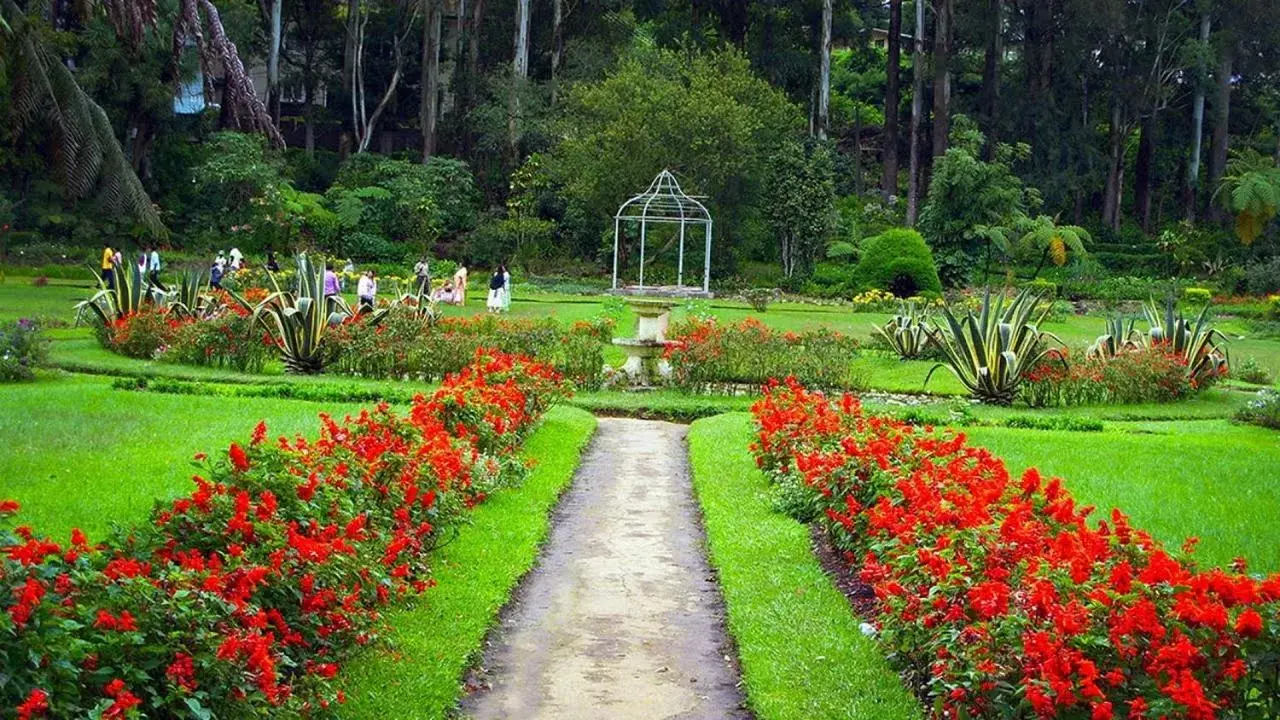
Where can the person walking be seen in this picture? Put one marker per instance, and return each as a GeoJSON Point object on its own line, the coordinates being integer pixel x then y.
{"type": "Point", "coordinates": [331, 287]}
{"type": "Point", "coordinates": [153, 268]}
{"type": "Point", "coordinates": [237, 259]}
{"type": "Point", "coordinates": [494, 303]}
{"type": "Point", "coordinates": [142, 261]}
{"type": "Point", "coordinates": [215, 275]}
{"type": "Point", "coordinates": [506, 289]}
{"type": "Point", "coordinates": [108, 266]}
{"type": "Point", "coordinates": [367, 290]}
{"type": "Point", "coordinates": [460, 285]}
{"type": "Point", "coordinates": [221, 262]}
{"type": "Point", "coordinates": [272, 264]}
{"type": "Point", "coordinates": [423, 272]}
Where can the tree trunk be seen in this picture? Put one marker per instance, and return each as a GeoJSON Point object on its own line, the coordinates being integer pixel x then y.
{"type": "Point", "coordinates": [1190, 201]}
{"type": "Point", "coordinates": [824, 73]}
{"type": "Point", "coordinates": [1143, 172]}
{"type": "Point", "coordinates": [346, 139]}
{"type": "Point", "coordinates": [943, 10]}
{"type": "Point", "coordinates": [1112, 192]}
{"type": "Point", "coordinates": [273, 61]}
{"type": "Point", "coordinates": [519, 72]}
{"type": "Point", "coordinates": [917, 111]}
{"type": "Point", "coordinates": [991, 77]}
{"type": "Point", "coordinates": [557, 46]}
{"type": "Point", "coordinates": [892, 100]}
{"type": "Point", "coordinates": [429, 103]}
{"type": "Point", "coordinates": [1221, 120]}
{"type": "Point", "coordinates": [308, 115]}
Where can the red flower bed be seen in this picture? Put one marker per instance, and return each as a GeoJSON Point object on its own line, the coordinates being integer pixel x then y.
{"type": "Point", "coordinates": [997, 597]}
{"type": "Point", "coordinates": [244, 598]}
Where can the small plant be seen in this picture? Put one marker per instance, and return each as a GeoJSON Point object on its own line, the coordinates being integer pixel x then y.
{"type": "Point", "coordinates": [1197, 295]}
{"type": "Point", "coordinates": [1273, 307]}
{"type": "Point", "coordinates": [22, 349]}
{"type": "Point", "coordinates": [759, 298]}
{"type": "Point", "coordinates": [1263, 410]}
{"type": "Point", "coordinates": [874, 301]}
{"type": "Point", "coordinates": [908, 332]}
{"type": "Point", "coordinates": [1118, 338]}
{"type": "Point", "coordinates": [1251, 371]}
{"type": "Point", "coordinates": [1194, 341]}
{"type": "Point", "coordinates": [990, 352]}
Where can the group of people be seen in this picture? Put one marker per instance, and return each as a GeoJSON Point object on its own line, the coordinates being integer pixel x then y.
{"type": "Point", "coordinates": [148, 264]}
{"type": "Point", "coordinates": [233, 261]}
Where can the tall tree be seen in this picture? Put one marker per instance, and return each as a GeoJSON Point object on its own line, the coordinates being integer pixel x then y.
{"type": "Point", "coordinates": [990, 99]}
{"type": "Point", "coordinates": [824, 73]}
{"type": "Point", "coordinates": [892, 100]}
{"type": "Point", "coordinates": [917, 116]}
{"type": "Point", "coordinates": [1190, 199]}
{"type": "Point", "coordinates": [943, 31]}
{"type": "Point", "coordinates": [429, 102]}
{"type": "Point", "coordinates": [365, 123]}
{"type": "Point", "coordinates": [519, 74]}
{"type": "Point", "coordinates": [275, 39]}
{"type": "Point", "coordinates": [1219, 147]}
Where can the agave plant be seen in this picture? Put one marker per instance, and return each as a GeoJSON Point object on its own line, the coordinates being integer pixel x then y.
{"type": "Point", "coordinates": [297, 319]}
{"type": "Point", "coordinates": [1118, 338]}
{"type": "Point", "coordinates": [1194, 341]}
{"type": "Point", "coordinates": [908, 332]}
{"type": "Point", "coordinates": [990, 352]}
{"type": "Point", "coordinates": [419, 302]}
{"type": "Point", "coordinates": [123, 298]}
{"type": "Point", "coordinates": [190, 297]}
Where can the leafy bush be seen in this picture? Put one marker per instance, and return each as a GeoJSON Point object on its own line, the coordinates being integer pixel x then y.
{"type": "Point", "coordinates": [228, 339]}
{"type": "Point", "coordinates": [1132, 375]}
{"type": "Point", "coordinates": [1251, 371]}
{"type": "Point", "coordinates": [899, 261]}
{"type": "Point", "coordinates": [141, 335]}
{"type": "Point", "coordinates": [246, 597]}
{"type": "Point", "coordinates": [1263, 410]}
{"type": "Point", "coordinates": [1263, 278]}
{"type": "Point", "coordinates": [1273, 307]}
{"type": "Point", "coordinates": [759, 298]}
{"type": "Point", "coordinates": [1197, 295]}
{"type": "Point", "coordinates": [707, 355]}
{"type": "Point", "coordinates": [22, 349]}
{"type": "Point", "coordinates": [998, 597]}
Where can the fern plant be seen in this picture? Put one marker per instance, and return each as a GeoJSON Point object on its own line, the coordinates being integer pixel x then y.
{"type": "Point", "coordinates": [1250, 189]}
{"type": "Point", "coordinates": [908, 333]}
{"type": "Point", "coordinates": [991, 351]}
{"type": "Point", "coordinates": [1054, 242]}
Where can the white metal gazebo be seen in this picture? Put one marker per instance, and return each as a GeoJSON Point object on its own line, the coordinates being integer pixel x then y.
{"type": "Point", "coordinates": [664, 202]}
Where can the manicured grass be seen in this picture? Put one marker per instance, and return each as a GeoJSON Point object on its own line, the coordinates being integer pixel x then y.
{"type": "Point", "coordinates": [78, 454]}
{"type": "Point", "coordinates": [802, 653]}
{"type": "Point", "coordinates": [433, 643]}
{"type": "Point", "coordinates": [1205, 478]}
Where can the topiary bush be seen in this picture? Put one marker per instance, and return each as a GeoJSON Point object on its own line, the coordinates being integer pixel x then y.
{"type": "Point", "coordinates": [899, 261]}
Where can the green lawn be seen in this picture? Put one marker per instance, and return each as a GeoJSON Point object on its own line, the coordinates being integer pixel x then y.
{"type": "Point", "coordinates": [79, 454]}
{"type": "Point", "coordinates": [802, 653]}
{"type": "Point", "coordinates": [433, 643]}
{"type": "Point", "coordinates": [1206, 478]}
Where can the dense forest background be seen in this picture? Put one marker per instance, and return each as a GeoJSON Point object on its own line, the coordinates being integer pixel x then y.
{"type": "Point", "coordinates": [510, 130]}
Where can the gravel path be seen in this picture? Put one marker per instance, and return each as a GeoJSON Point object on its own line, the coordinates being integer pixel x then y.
{"type": "Point", "coordinates": [622, 617]}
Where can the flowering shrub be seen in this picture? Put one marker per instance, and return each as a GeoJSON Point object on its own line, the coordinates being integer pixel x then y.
{"type": "Point", "coordinates": [227, 339]}
{"type": "Point", "coordinates": [21, 350]}
{"type": "Point", "coordinates": [1263, 410]}
{"type": "Point", "coordinates": [140, 334]}
{"type": "Point", "coordinates": [706, 354]}
{"type": "Point", "coordinates": [244, 598]}
{"type": "Point", "coordinates": [404, 344]}
{"type": "Point", "coordinates": [1137, 375]}
{"type": "Point", "coordinates": [998, 598]}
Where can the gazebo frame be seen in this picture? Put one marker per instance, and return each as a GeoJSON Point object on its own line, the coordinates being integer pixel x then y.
{"type": "Point", "coordinates": [664, 202]}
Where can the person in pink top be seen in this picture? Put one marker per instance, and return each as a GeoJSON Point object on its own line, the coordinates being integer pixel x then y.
{"type": "Point", "coordinates": [330, 281]}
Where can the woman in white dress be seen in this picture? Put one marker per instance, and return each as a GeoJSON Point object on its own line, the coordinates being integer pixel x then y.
{"type": "Point", "coordinates": [460, 286]}
{"type": "Point", "coordinates": [494, 303]}
{"type": "Point", "coordinates": [506, 290]}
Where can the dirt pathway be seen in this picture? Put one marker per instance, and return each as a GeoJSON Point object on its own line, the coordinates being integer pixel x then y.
{"type": "Point", "coordinates": [622, 617]}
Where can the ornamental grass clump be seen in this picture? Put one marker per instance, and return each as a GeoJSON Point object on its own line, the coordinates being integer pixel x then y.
{"type": "Point", "coordinates": [1001, 597]}
{"type": "Point", "coordinates": [990, 352]}
{"type": "Point", "coordinates": [246, 597]}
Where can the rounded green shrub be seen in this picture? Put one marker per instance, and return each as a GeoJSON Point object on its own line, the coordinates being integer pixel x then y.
{"type": "Point", "coordinates": [898, 260]}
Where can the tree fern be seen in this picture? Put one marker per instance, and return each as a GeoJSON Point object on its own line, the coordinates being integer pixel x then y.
{"type": "Point", "coordinates": [1250, 189]}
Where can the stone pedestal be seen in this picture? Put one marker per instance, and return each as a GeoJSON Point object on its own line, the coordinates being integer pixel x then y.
{"type": "Point", "coordinates": [645, 365]}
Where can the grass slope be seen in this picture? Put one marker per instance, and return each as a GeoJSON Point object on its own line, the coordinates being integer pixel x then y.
{"type": "Point", "coordinates": [1206, 478]}
{"type": "Point", "coordinates": [434, 642]}
{"type": "Point", "coordinates": [78, 454]}
{"type": "Point", "coordinates": [801, 651]}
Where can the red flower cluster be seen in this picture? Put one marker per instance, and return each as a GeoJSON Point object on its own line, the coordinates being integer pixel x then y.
{"type": "Point", "coordinates": [706, 355]}
{"type": "Point", "coordinates": [247, 596]}
{"type": "Point", "coordinates": [1000, 599]}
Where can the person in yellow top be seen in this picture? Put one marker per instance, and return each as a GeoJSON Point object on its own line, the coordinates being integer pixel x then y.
{"type": "Point", "coordinates": [108, 266]}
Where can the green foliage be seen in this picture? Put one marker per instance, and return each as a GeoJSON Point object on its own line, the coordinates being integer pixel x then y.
{"type": "Point", "coordinates": [1263, 410]}
{"type": "Point", "coordinates": [1253, 372]}
{"type": "Point", "coordinates": [759, 298]}
{"type": "Point", "coordinates": [1200, 345]}
{"type": "Point", "coordinates": [799, 183]}
{"type": "Point", "coordinates": [908, 333]}
{"type": "Point", "coordinates": [705, 114]}
{"type": "Point", "coordinates": [22, 349]}
{"type": "Point", "coordinates": [1251, 190]}
{"type": "Point", "coordinates": [1197, 295]}
{"type": "Point", "coordinates": [970, 200]}
{"type": "Point", "coordinates": [991, 352]}
{"type": "Point", "coordinates": [898, 260]}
